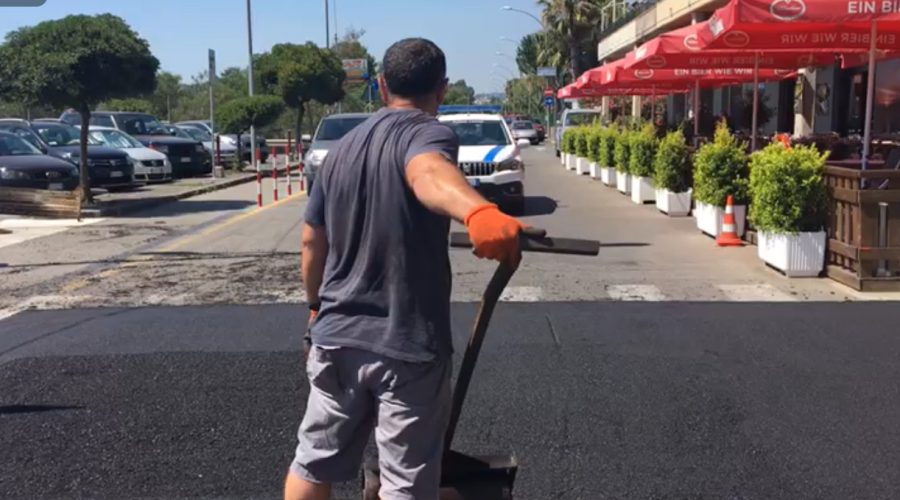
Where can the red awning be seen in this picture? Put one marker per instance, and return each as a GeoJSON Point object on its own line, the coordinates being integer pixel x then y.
{"type": "Point", "coordinates": [662, 78]}
{"type": "Point", "coordinates": [680, 48]}
{"type": "Point", "coordinates": [832, 26]}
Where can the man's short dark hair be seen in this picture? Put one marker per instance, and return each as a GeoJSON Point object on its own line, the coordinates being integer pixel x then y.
{"type": "Point", "coordinates": [414, 67]}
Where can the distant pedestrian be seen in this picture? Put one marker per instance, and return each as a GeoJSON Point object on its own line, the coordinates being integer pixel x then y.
{"type": "Point", "coordinates": [377, 275]}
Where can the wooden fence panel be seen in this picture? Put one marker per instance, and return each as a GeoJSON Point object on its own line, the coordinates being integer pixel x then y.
{"type": "Point", "coordinates": [40, 202]}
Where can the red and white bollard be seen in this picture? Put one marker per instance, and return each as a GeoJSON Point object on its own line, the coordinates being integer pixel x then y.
{"type": "Point", "coordinates": [302, 179]}
{"type": "Point", "coordinates": [258, 182]}
{"type": "Point", "coordinates": [287, 166]}
{"type": "Point", "coordinates": [287, 149]}
{"type": "Point", "coordinates": [274, 183]}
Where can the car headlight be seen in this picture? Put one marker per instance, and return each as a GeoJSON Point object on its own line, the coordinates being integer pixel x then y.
{"type": "Point", "coordinates": [200, 148]}
{"type": "Point", "coordinates": [509, 164]}
{"type": "Point", "coordinates": [316, 157]}
{"type": "Point", "coordinates": [167, 163]}
{"type": "Point", "coordinates": [9, 174]}
{"type": "Point", "coordinates": [70, 157]}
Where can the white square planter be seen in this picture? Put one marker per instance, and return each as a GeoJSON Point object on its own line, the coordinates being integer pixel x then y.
{"type": "Point", "coordinates": [570, 162]}
{"type": "Point", "coordinates": [797, 255]}
{"type": "Point", "coordinates": [622, 182]}
{"type": "Point", "coordinates": [595, 170]}
{"type": "Point", "coordinates": [608, 175]}
{"type": "Point", "coordinates": [709, 218]}
{"type": "Point", "coordinates": [642, 190]}
{"type": "Point", "coordinates": [562, 158]}
{"type": "Point", "coordinates": [673, 204]}
{"type": "Point", "coordinates": [581, 166]}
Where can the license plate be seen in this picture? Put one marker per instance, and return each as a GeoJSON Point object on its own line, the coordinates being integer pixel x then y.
{"type": "Point", "coordinates": [155, 170]}
{"type": "Point", "coordinates": [55, 186]}
{"type": "Point", "coordinates": [116, 174]}
{"type": "Point", "coordinates": [185, 159]}
{"type": "Point", "coordinates": [474, 182]}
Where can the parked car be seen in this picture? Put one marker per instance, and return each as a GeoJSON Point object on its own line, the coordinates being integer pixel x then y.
{"type": "Point", "coordinates": [187, 156]}
{"type": "Point", "coordinates": [541, 133]}
{"type": "Point", "coordinates": [227, 149]}
{"type": "Point", "coordinates": [490, 158]}
{"type": "Point", "coordinates": [109, 168]}
{"type": "Point", "coordinates": [23, 165]}
{"type": "Point", "coordinates": [524, 130]}
{"type": "Point", "coordinates": [149, 165]}
{"type": "Point", "coordinates": [231, 139]}
{"type": "Point", "coordinates": [330, 130]}
{"type": "Point", "coordinates": [573, 118]}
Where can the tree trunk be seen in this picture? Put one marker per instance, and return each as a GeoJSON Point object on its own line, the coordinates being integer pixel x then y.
{"type": "Point", "coordinates": [299, 123]}
{"type": "Point", "coordinates": [573, 45]}
{"type": "Point", "coordinates": [84, 183]}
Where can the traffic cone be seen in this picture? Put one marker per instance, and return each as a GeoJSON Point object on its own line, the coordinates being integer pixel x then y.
{"type": "Point", "coordinates": [728, 235]}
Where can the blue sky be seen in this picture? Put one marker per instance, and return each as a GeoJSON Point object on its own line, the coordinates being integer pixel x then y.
{"type": "Point", "coordinates": [181, 31]}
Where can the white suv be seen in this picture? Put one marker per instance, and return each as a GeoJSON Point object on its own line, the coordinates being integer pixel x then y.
{"type": "Point", "coordinates": [489, 158]}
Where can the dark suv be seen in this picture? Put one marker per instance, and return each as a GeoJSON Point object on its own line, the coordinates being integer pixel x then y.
{"type": "Point", "coordinates": [109, 168]}
{"type": "Point", "coordinates": [188, 157]}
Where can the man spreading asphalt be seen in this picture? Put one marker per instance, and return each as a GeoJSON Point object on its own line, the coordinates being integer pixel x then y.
{"type": "Point", "coordinates": [377, 275]}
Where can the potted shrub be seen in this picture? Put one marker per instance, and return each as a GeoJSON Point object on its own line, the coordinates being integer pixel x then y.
{"type": "Point", "coordinates": [582, 160]}
{"type": "Point", "coordinates": [595, 137]}
{"type": "Point", "coordinates": [789, 208]}
{"type": "Point", "coordinates": [672, 175]}
{"type": "Point", "coordinates": [621, 157]}
{"type": "Point", "coordinates": [643, 153]}
{"type": "Point", "coordinates": [720, 169]}
{"type": "Point", "coordinates": [566, 145]}
{"type": "Point", "coordinates": [606, 155]}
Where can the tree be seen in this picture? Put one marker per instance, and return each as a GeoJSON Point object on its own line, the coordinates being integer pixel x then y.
{"type": "Point", "coordinates": [131, 104]}
{"type": "Point", "coordinates": [527, 55]}
{"type": "Point", "coordinates": [459, 93]}
{"type": "Point", "coordinates": [238, 115]}
{"type": "Point", "coordinates": [571, 32]}
{"type": "Point", "coordinates": [168, 91]}
{"type": "Point", "coordinates": [300, 74]}
{"type": "Point", "coordinates": [78, 61]}
{"type": "Point", "coordinates": [524, 96]}
{"type": "Point", "coordinates": [358, 96]}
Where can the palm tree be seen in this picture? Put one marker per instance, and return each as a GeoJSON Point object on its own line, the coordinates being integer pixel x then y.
{"type": "Point", "coordinates": [569, 24]}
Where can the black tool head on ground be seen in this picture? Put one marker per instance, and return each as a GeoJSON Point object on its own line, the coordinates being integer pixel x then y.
{"type": "Point", "coordinates": [463, 477]}
{"type": "Point", "coordinates": [531, 242]}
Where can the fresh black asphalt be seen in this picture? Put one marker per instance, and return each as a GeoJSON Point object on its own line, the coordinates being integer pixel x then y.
{"type": "Point", "coordinates": [596, 399]}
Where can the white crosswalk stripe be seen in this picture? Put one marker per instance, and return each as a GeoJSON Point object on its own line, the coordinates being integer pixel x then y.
{"type": "Point", "coordinates": [755, 293]}
{"type": "Point", "coordinates": [637, 293]}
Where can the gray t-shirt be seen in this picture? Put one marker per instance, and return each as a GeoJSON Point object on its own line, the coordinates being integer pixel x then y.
{"type": "Point", "coordinates": [386, 287]}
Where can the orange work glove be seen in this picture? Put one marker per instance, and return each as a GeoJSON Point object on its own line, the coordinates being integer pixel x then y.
{"type": "Point", "coordinates": [494, 234]}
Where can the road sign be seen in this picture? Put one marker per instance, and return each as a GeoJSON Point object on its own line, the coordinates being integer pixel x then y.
{"type": "Point", "coordinates": [356, 69]}
{"type": "Point", "coordinates": [548, 92]}
{"type": "Point", "coordinates": [546, 72]}
{"type": "Point", "coordinates": [548, 101]}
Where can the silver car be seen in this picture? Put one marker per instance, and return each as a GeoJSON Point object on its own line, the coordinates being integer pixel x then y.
{"type": "Point", "coordinates": [330, 130]}
{"type": "Point", "coordinates": [524, 129]}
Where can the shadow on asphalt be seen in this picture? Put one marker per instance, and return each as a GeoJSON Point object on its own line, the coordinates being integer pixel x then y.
{"type": "Point", "coordinates": [157, 257]}
{"type": "Point", "coordinates": [14, 409]}
{"type": "Point", "coordinates": [539, 205]}
{"type": "Point", "coordinates": [182, 207]}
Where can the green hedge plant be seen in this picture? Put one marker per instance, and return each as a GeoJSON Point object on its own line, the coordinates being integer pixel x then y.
{"type": "Point", "coordinates": [607, 147]}
{"type": "Point", "coordinates": [568, 136]}
{"type": "Point", "coordinates": [595, 139]}
{"type": "Point", "coordinates": [720, 170]}
{"type": "Point", "coordinates": [622, 152]}
{"type": "Point", "coordinates": [672, 169]}
{"type": "Point", "coordinates": [787, 188]}
{"type": "Point", "coordinates": [581, 141]}
{"type": "Point", "coordinates": [643, 151]}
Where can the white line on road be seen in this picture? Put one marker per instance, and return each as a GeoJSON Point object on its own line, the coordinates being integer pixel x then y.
{"type": "Point", "coordinates": [755, 293]}
{"type": "Point", "coordinates": [643, 293]}
{"type": "Point", "coordinates": [24, 229]}
{"type": "Point", "coordinates": [522, 294]}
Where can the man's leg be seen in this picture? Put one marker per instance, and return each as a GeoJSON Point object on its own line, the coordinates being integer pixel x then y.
{"type": "Point", "coordinates": [339, 416]}
{"type": "Point", "coordinates": [413, 411]}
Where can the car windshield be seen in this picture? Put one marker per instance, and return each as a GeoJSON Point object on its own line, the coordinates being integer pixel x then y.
{"type": "Point", "coordinates": [60, 134]}
{"type": "Point", "coordinates": [196, 134]}
{"type": "Point", "coordinates": [141, 125]}
{"type": "Point", "coordinates": [479, 133]}
{"type": "Point", "coordinates": [584, 118]}
{"type": "Point", "coordinates": [11, 145]}
{"type": "Point", "coordinates": [522, 126]}
{"type": "Point", "coordinates": [333, 129]}
{"type": "Point", "coordinates": [115, 139]}
{"type": "Point", "coordinates": [24, 133]}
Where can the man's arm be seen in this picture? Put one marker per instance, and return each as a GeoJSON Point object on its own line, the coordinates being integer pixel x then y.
{"type": "Point", "coordinates": [312, 262]}
{"type": "Point", "coordinates": [441, 187]}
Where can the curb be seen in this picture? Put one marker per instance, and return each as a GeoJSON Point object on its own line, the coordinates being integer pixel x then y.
{"type": "Point", "coordinates": [137, 205]}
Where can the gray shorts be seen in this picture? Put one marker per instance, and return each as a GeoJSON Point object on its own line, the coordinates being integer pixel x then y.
{"type": "Point", "coordinates": [352, 391]}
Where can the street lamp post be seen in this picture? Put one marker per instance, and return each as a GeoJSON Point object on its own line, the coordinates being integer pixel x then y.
{"type": "Point", "coordinates": [510, 40]}
{"type": "Point", "coordinates": [520, 11]}
{"type": "Point", "coordinates": [504, 68]}
{"type": "Point", "coordinates": [250, 86]}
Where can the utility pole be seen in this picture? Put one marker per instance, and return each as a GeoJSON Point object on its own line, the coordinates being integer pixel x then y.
{"type": "Point", "coordinates": [334, 15]}
{"type": "Point", "coordinates": [250, 86]}
{"type": "Point", "coordinates": [327, 28]}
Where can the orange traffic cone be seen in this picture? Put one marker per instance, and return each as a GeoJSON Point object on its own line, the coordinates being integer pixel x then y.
{"type": "Point", "coordinates": [728, 235]}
